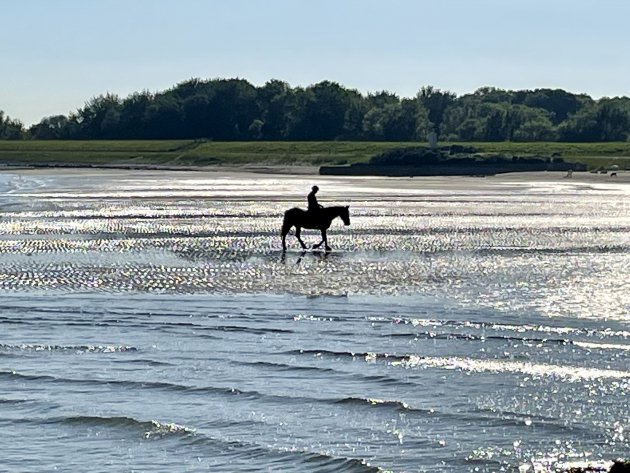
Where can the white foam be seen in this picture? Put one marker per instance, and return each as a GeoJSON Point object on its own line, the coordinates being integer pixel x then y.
{"type": "Point", "coordinates": [571, 373]}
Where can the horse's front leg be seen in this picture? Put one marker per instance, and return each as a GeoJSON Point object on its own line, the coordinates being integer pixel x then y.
{"type": "Point", "coordinates": [325, 241]}
{"type": "Point", "coordinates": [298, 231]}
{"type": "Point", "coordinates": [320, 243]}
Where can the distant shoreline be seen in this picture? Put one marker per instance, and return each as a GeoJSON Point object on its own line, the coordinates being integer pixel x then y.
{"type": "Point", "coordinates": [265, 169]}
{"type": "Point", "coordinates": [191, 154]}
{"type": "Point", "coordinates": [312, 173]}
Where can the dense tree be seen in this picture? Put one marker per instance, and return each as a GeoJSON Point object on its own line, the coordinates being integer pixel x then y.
{"type": "Point", "coordinates": [164, 118]}
{"type": "Point", "coordinates": [51, 128]}
{"type": "Point", "coordinates": [474, 118]}
{"type": "Point", "coordinates": [606, 120]}
{"type": "Point", "coordinates": [234, 109]}
{"type": "Point", "coordinates": [356, 108]}
{"type": "Point", "coordinates": [436, 102]}
{"type": "Point", "coordinates": [133, 116]}
{"type": "Point", "coordinates": [559, 103]}
{"type": "Point", "coordinates": [196, 116]}
{"type": "Point", "coordinates": [383, 123]}
{"type": "Point", "coordinates": [495, 124]}
{"type": "Point", "coordinates": [529, 124]}
{"type": "Point", "coordinates": [10, 129]}
{"type": "Point", "coordinates": [275, 100]}
{"type": "Point", "coordinates": [613, 119]}
{"type": "Point", "coordinates": [100, 117]}
{"type": "Point", "coordinates": [380, 99]}
{"type": "Point", "coordinates": [493, 95]}
{"type": "Point", "coordinates": [322, 112]}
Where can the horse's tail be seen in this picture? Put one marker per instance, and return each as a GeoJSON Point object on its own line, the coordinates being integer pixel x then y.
{"type": "Point", "coordinates": [286, 225]}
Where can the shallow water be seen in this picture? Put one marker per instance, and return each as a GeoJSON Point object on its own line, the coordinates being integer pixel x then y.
{"type": "Point", "coordinates": [149, 322]}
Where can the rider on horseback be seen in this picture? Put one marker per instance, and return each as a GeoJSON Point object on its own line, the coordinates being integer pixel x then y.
{"type": "Point", "coordinates": [316, 217]}
{"type": "Point", "coordinates": [313, 206]}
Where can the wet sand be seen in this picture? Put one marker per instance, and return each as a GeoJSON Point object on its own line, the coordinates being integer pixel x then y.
{"type": "Point", "coordinates": [311, 172]}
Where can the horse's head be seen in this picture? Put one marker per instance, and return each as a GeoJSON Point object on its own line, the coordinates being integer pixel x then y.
{"type": "Point", "coordinates": [345, 215]}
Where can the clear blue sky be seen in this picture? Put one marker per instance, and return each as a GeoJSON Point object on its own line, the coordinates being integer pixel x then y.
{"type": "Point", "coordinates": [56, 54]}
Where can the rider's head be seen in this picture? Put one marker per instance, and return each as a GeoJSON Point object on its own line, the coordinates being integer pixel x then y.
{"type": "Point", "coordinates": [315, 188]}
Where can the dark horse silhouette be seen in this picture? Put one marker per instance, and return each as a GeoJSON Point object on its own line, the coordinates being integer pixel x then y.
{"type": "Point", "coordinates": [321, 220]}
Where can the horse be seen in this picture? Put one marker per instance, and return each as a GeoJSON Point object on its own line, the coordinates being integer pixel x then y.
{"type": "Point", "coordinates": [321, 220]}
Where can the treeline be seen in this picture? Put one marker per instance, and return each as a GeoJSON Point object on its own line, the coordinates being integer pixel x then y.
{"type": "Point", "coordinates": [234, 109]}
{"type": "Point", "coordinates": [11, 129]}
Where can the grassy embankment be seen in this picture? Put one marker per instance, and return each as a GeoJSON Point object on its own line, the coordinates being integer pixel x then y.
{"type": "Point", "coordinates": [202, 153]}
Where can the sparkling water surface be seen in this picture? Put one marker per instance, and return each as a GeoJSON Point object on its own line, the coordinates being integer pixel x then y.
{"type": "Point", "coordinates": [150, 322]}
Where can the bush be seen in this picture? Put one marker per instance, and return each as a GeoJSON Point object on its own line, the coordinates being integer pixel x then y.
{"type": "Point", "coordinates": [407, 157]}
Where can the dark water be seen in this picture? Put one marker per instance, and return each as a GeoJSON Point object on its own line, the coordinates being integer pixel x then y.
{"type": "Point", "coordinates": [149, 322]}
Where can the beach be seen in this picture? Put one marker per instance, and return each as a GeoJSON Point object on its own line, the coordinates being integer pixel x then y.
{"type": "Point", "coordinates": [151, 322]}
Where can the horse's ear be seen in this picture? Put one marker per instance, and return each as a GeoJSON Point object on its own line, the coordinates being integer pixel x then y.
{"type": "Point", "coordinates": [347, 207]}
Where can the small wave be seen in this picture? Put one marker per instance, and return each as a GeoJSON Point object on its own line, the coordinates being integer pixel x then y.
{"type": "Point", "coordinates": [158, 385]}
{"type": "Point", "coordinates": [142, 361]}
{"type": "Point", "coordinates": [493, 412]}
{"type": "Point", "coordinates": [381, 403]}
{"type": "Point", "coordinates": [73, 348]}
{"type": "Point", "coordinates": [382, 379]}
{"type": "Point", "coordinates": [159, 430]}
{"type": "Point", "coordinates": [602, 346]}
{"type": "Point", "coordinates": [305, 460]}
{"type": "Point", "coordinates": [571, 373]}
{"type": "Point", "coordinates": [314, 318]}
{"type": "Point", "coordinates": [370, 357]}
{"type": "Point", "coordinates": [560, 330]}
{"type": "Point", "coordinates": [253, 330]}
{"type": "Point", "coordinates": [15, 401]}
{"type": "Point", "coordinates": [388, 380]}
{"type": "Point", "coordinates": [478, 325]}
{"type": "Point", "coordinates": [151, 429]}
{"type": "Point", "coordinates": [340, 464]}
{"type": "Point", "coordinates": [501, 418]}
{"type": "Point", "coordinates": [26, 377]}
{"type": "Point", "coordinates": [319, 353]}
{"type": "Point", "coordinates": [100, 382]}
{"type": "Point", "coordinates": [284, 366]}
{"type": "Point", "coordinates": [553, 465]}
{"type": "Point", "coordinates": [471, 337]}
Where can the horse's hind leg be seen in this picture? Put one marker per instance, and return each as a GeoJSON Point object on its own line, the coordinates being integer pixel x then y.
{"type": "Point", "coordinates": [298, 231]}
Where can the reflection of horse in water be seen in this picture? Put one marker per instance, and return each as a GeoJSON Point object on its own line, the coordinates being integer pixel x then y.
{"type": "Point", "coordinates": [321, 256]}
{"type": "Point", "coordinates": [320, 219]}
